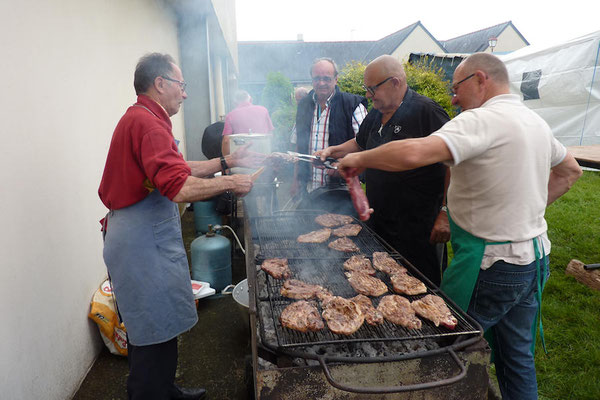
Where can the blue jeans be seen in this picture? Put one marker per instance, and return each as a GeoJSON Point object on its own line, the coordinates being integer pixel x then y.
{"type": "Point", "coordinates": [504, 299]}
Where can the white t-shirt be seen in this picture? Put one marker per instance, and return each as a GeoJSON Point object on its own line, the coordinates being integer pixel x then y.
{"type": "Point", "coordinates": [502, 154]}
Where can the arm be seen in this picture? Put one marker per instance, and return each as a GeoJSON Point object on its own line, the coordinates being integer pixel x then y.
{"type": "Point", "coordinates": [197, 189]}
{"type": "Point", "coordinates": [242, 157]}
{"type": "Point", "coordinates": [340, 150]}
{"type": "Point", "coordinates": [441, 227]}
{"type": "Point", "coordinates": [562, 177]}
{"type": "Point", "coordinates": [399, 155]}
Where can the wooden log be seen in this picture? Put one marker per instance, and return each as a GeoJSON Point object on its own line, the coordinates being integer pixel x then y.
{"type": "Point", "coordinates": [590, 278]}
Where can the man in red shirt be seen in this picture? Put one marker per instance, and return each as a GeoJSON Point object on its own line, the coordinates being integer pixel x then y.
{"type": "Point", "coordinates": [245, 118]}
{"type": "Point", "coordinates": [144, 178]}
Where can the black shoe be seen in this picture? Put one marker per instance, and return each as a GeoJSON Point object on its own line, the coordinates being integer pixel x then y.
{"type": "Point", "coordinates": [179, 393]}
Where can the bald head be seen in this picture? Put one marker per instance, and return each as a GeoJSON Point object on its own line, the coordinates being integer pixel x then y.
{"type": "Point", "coordinates": [488, 63]}
{"type": "Point", "coordinates": [387, 65]}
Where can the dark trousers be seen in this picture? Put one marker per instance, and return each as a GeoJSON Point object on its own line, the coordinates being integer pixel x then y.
{"type": "Point", "coordinates": [151, 370]}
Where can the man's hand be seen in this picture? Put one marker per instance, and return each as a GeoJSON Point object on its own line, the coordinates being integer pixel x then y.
{"type": "Point", "coordinates": [243, 157]}
{"type": "Point", "coordinates": [441, 229]}
{"type": "Point", "coordinates": [350, 165]}
{"type": "Point", "coordinates": [242, 182]}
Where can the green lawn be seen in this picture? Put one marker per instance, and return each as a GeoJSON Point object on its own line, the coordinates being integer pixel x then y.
{"type": "Point", "coordinates": [571, 311]}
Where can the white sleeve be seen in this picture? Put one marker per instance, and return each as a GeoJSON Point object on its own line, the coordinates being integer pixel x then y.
{"type": "Point", "coordinates": [559, 152]}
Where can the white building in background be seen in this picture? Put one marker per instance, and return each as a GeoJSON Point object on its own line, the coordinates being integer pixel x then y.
{"type": "Point", "coordinates": [67, 71]}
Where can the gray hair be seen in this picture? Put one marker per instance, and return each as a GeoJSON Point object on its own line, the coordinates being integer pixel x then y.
{"type": "Point", "coordinates": [488, 63]}
{"type": "Point", "coordinates": [329, 60]}
{"type": "Point", "coordinates": [148, 68]}
{"type": "Point", "coordinates": [241, 96]}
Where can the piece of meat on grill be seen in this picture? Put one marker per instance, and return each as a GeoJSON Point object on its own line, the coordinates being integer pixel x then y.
{"type": "Point", "coordinates": [318, 236]}
{"type": "Point", "coordinates": [406, 284]}
{"type": "Point", "coordinates": [347, 230]}
{"type": "Point", "coordinates": [331, 220]}
{"type": "Point", "coordinates": [372, 315]}
{"type": "Point", "coordinates": [434, 308]}
{"type": "Point", "coordinates": [398, 310]}
{"type": "Point", "coordinates": [366, 284]}
{"type": "Point", "coordinates": [343, 316]}
{"type": "Point", "coordinates": [383, 262]}
{"type": "Point", "coordinates": [359, 263]}
{"type": "Point", "coordinates": [276, 267]}
{"type": "Point", "coordinates": [299, 290]}
{"type": "Point", "coordinates": [344, 244]}
{"type": "Point", "coordinates": [301, 316]}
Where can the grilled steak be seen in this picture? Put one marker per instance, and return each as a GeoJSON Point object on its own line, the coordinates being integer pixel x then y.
{"type": "Point", "coordinates": [343, 316]}
{"type": "Point", "coordinates": [359, 263]}
{"type": "Point", "coordinates": [319, 236]}
{"type": "Point", "coordinates": [347, 230]}
{"type": "Point", "coordinates": [301, 316]}
{"type": "Point", "coordinates": [276, 267]}
{"type": "Point", "coordinates": [384, 262]}
{"type": "Point", "coordinates": [296, 289]}
{"type": "Point", "coordinates": [434, 308]}
{"type": "Point", "coordinates": [344, 244]}
{"type": "Point", "coordinates": [331, 220]}
{"type": "Point", "coordinates": [365, 284]}
{"type": "Point", "coordinates": [403, 283]}
{"type": "Point", "coordinates": [372, 316]}
{"type": "Point", "coordinates": [397, 309]}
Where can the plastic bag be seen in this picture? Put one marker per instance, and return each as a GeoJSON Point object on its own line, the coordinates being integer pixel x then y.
{"type": "Point", "coordinates": [104, 314]}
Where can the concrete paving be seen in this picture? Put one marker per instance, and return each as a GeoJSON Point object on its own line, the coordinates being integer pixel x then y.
{"type": "Point", "coordinates": [214, 354]}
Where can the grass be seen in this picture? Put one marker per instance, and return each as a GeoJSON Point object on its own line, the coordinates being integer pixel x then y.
{"type": "Point", "coordinates": [570, 309]}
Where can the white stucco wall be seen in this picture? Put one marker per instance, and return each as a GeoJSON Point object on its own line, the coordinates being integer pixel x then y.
{"type": "Point", "coordinates": [67, 77]}
{"type": "Point", "coordinates": [417, 42]}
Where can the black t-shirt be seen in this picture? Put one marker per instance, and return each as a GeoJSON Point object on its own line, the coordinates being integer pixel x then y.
{"type": "Point", "coordinates": [405, 203]}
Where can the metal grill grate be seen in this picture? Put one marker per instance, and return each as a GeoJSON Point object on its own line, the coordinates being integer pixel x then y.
{"type": "Point", "coordinates": [317, 264]}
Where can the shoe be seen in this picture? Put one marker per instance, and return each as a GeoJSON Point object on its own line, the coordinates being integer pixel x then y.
{"type": "Point", "coordinates": [180, 393]}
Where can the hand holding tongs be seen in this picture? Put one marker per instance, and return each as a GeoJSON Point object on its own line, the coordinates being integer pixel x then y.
{"type": "Point", "coordinates": [315, 160]}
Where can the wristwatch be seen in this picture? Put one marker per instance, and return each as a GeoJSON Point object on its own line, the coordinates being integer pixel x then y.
{"type": "Point", "coordinates": [444, 209]}
{"type": "Point", "coordinates": [224, 166]}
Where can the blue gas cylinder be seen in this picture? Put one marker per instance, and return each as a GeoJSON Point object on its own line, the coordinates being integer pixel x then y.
{"type": "Point", "coordinates": [205, 213]}
{"type": "Point", "coordinates": [211, 259]}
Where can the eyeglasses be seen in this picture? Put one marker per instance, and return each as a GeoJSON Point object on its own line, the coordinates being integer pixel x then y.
{"type": "Point", "coordinates": [182, 85]}
{"type": "Point", "coordinates": [326, 79]}
{"type": "Point", "coordinates": [455, 86]}
{"type": "Point", "coordinates": [372, 89]}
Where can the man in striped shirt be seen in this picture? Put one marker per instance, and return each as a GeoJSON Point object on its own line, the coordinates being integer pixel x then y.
{"type": "Point", "coordinates": [326, 117]}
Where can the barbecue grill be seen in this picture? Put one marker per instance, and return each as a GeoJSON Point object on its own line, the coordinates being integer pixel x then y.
{"type": "Point", "coordinates": [287, 361]}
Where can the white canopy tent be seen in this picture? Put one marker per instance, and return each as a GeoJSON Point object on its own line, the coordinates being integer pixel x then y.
{"type": "Point", "coordinates": [562, 84]}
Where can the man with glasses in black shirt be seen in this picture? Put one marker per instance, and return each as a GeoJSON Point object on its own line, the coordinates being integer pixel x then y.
{"type": "Point", "coordinates": [409, 207]}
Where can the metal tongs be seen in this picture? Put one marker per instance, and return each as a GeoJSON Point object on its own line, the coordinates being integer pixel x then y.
{"type": "Point", "coordinates": [316, 161]}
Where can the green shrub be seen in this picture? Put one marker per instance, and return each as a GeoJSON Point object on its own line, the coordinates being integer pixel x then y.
{"type": "Point", "coordinates": [429, 81]}
{"type": "Point", "coordinates": [277, 96]}
{"type": "Point", "coordinates": [423, 78]}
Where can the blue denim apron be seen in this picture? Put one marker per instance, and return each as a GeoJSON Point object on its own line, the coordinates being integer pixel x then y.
{"type": "Point", "coordinates": [148, 267]}
{"type": "Point", "coordinates": [461, 275]}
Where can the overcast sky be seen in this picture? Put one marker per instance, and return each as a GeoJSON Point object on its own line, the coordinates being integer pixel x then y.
{"type": "Point", "coordinates": [542, 23]}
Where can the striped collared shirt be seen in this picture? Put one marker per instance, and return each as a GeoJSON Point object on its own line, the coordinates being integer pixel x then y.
{"type": "Point", "coordinates": [319, 135]}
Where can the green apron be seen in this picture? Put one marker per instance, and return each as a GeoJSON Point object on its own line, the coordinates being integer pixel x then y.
{"type": "Point", "coordinates": [461, 275]}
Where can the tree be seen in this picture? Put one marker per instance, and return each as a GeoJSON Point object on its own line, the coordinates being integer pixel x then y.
{"type": "Point", "coordinates": [423, 78]}
{"type": "Point", "coordinates": [429, 81]}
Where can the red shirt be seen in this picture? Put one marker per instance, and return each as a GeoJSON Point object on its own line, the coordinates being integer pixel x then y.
{"type": "Point", "coordinates": [248, 118]}
{"type": "Point", "coordinates": [142, 147]}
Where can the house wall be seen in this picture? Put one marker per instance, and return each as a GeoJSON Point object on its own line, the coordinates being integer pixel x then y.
{"type": "Point", "coordinates": [417, 42]}
{"type": "Point", "coordinates": [68, 77]}
{"type": "Point", "coordinates": [509, 40]}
